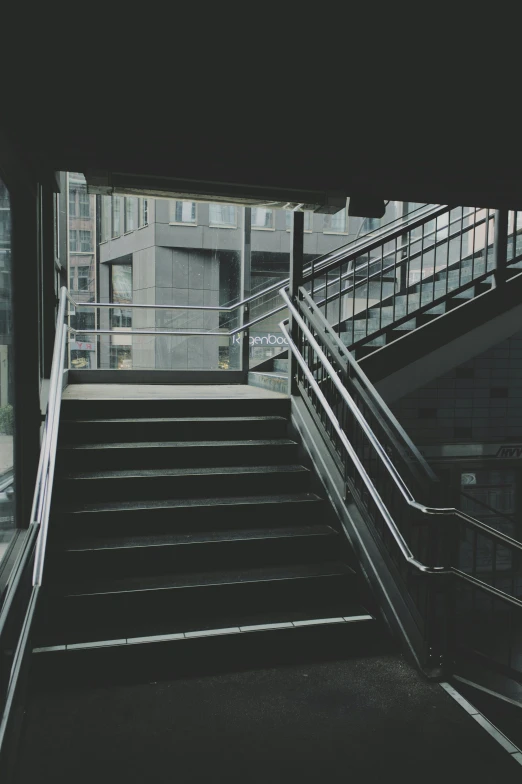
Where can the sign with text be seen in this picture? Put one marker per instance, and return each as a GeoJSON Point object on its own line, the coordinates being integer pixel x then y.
{"type": "Point", "coordinates": [262, 339]}
{"type": "Point", "coordinates": [78, 345]}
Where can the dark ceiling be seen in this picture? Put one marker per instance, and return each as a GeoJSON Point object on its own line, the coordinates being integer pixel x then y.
{"type": "Point", "coordinates": [394, 154]}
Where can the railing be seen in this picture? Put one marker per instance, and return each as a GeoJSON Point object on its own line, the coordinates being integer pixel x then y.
{"type": "Point", "coordinates": [435, 550]}
{"type": "Point", "coordinates": [18, 609]}
{"type": "Point", "coordinates": [237, 318]}
{"type": "Point", "coordinates": [367, 293]}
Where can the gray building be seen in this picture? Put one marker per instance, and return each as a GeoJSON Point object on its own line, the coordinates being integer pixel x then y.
{"type": "Point", "coordinates": [167, 252]}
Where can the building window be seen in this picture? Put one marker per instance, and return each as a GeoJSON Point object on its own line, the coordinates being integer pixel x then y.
{"type": "Point", "coordinates": [83, 278]}
{"type": "Point", "coordinates": [183, 212]}
{"type": "Point", "coordinates": [105, 218]}
{"type": "Point", "coordinates": [307, 220]}
{"type": "Point", "coordinates": [129, 214]}
{"type": "Point", "coordinates": [262, 218]}
{"type": "Point", "coordinates": [72, 202]}
{"type": "Point", "coordinates": [85, 205]}
{"type": "Point", "coordinates": [116, 216]}
{"type": "Point", "coordinates": [121, 293]}
{"type": "Point", "coordinates": [85, 241]}
{"type": "Point", "coordinates": [73, 240]}
{"type": "Point", "coordinates": [222, 215]}
{"type": "Point", "coordinates": [336, 224]}
{"type": "Point", "coordinates": [371, 224]}
{"type": "Point", "coordinates": [143, 213]}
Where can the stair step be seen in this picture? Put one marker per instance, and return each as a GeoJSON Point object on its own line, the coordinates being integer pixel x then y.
{"type": "Point", "coordinates": [146, 429]}
{"type": "Point", "coordinates": [179, 515]}
{"type": "Point", "coordinates": [130, 607]}
{"type": "Point", "coordinates": [251, 643]}
{"type": "Point", "coordinates": [116, 408]}
{"type": "Point", "coordinates": [162, 454]}
{"type": "Point", "coordinates": [183, 553]}
{"type": "Point", "coordinates": [165, 483]}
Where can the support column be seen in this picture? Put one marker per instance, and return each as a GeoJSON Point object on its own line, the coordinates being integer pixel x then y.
{"type": "Point", "coordinates": [296, 279]}
{"type": "Point", "coordinates": [500, 246]}
{"type": "Point", "coordinates": [246, 266]}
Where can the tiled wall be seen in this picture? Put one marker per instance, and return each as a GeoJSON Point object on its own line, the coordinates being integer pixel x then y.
{"type": "Point", "coordinates": [479, 401]}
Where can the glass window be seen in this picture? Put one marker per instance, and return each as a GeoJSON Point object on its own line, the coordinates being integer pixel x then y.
{"type": "Point", "coordinates": [143, 213]}
{"type": "Point", "coordinates": [183, 212]}
{"type": "Point", "coordinates": [116, 216]}
{"type": "Point", "coordinates": [83, 278]}
{"type": "Point", "coordinates": [105, 218]}
{"type": "Point", "coordinates": [85, 205]}
{"type": "Point", "coordinates": [7, 401]}
{"type": "Point", "coordinates": [72, 202]}
{"type": "Point", "coordinates": [73, 240]}
{"type": "Point", "coordinates": [222, 215]}
{"type": "Point", "coordinates": [307, 220]}
{"type": "Point", "coordinates": [262, 218]}
{"type": "Point", "coordinates": [130, 204]}
{"type": "Point", "coordinates": [85, 241]}
{"type": "Point", "coordinates": [336, 224]}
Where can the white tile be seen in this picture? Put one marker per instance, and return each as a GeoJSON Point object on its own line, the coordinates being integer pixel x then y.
{"type": "Point", "coordinates": [156, 638]}
{"type": "Point", "coordinates": [496, 734]}
{"type": "Point", "coordinates": [319, 621]}
{"type": "Point", "coordinates": [264, 626]}
{"type": "Point", "coordinates": [462, 701]}
{"type": "Point", "coordinates": [98, 644]}
{"type": "Point", "coordinates": [213, 632]}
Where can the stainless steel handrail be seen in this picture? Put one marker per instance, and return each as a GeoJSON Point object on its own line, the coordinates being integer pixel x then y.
{"type": "Point", "coordinates": [377, 446]}
{"type": "Point", "coordinates": [185, 332]}
{"type": "Point", "coordinates": [44, 481]}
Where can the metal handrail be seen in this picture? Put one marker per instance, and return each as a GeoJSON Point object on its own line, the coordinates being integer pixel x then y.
{"type": "Point", "coordinates": [44, 480]}
{"type": "Point", "coordinates": [363, 379]}
{"type": "Point", "coordinates": [378, 236]}
{"type": "Point", "coordinates": [380, 451]}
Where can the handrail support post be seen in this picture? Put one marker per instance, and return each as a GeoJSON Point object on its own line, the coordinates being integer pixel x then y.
{"type": "Point", "coordinates": [296, 279]}
{"type": "Point", "coordinates": [500, 244]}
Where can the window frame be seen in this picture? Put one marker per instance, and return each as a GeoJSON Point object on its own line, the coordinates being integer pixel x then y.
{"type": "Point", "coordinates": [129, 200]}
{"type": "Point", "coordinates": [222, 225]}
{"type": "Point", "coordinates": [143, 213]}
{"type": "Point", "coordinates": [116, 199]}
{"type": "Point", "coordinates": [265, 228]}
{"type": "Point", "coordinates": [182, 223]}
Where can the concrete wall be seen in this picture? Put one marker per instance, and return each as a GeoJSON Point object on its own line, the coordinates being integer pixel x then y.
{"type": "Point", "coordinates": [479, 401]}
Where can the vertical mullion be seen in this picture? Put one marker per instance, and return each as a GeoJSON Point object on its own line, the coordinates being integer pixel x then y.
{"type": "Point", "coordinates": [486, 242]}
{"type": "Point", "coordinates": [367, 291]}
{"type": "Point", "coordinates": [354, 264]}
{"type": "Point", "coordinates": [461, 240]}
{"type": "Point", "coordinates": [340, 287]}
{"type": "Point", "coordinates": [473, 251]}
{"type": "Point", "coordinates": [382, 278]}
{"type": "Point", "coordinates": [435, 260]}
{"type": "Point", "coordinates": [422, 266]}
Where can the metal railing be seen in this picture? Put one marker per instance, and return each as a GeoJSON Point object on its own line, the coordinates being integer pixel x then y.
{"type": "Point", "coordinates": [260, 305]}
{"type": "Point", "coordinates": [434, 549]}
{"type": "Point", "coordinates": [19, 606]}
{"type": "Point", "coordinates": [368, 294]}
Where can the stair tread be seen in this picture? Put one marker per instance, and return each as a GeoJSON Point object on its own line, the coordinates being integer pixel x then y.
{"type": "Point", "coordinates": [179, 444]}
{"type": "Point", "coordinates": [183, 503]}
{"type": "Point", "coordinates": [97, 543]}
{"type": "Point", "coordinates": [205, 579]}
{"type": "Point", "coordinates": [150, 631]}
{"type": "Point", "coordinates": [137, 473]}
{"type": "Point", "coordinates": [127, 420]}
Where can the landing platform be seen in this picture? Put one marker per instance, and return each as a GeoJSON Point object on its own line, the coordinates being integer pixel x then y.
{"type": "Point", "coordinates": [168, 392]}
{"type": "Point", "coordinates": [367, 719]}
